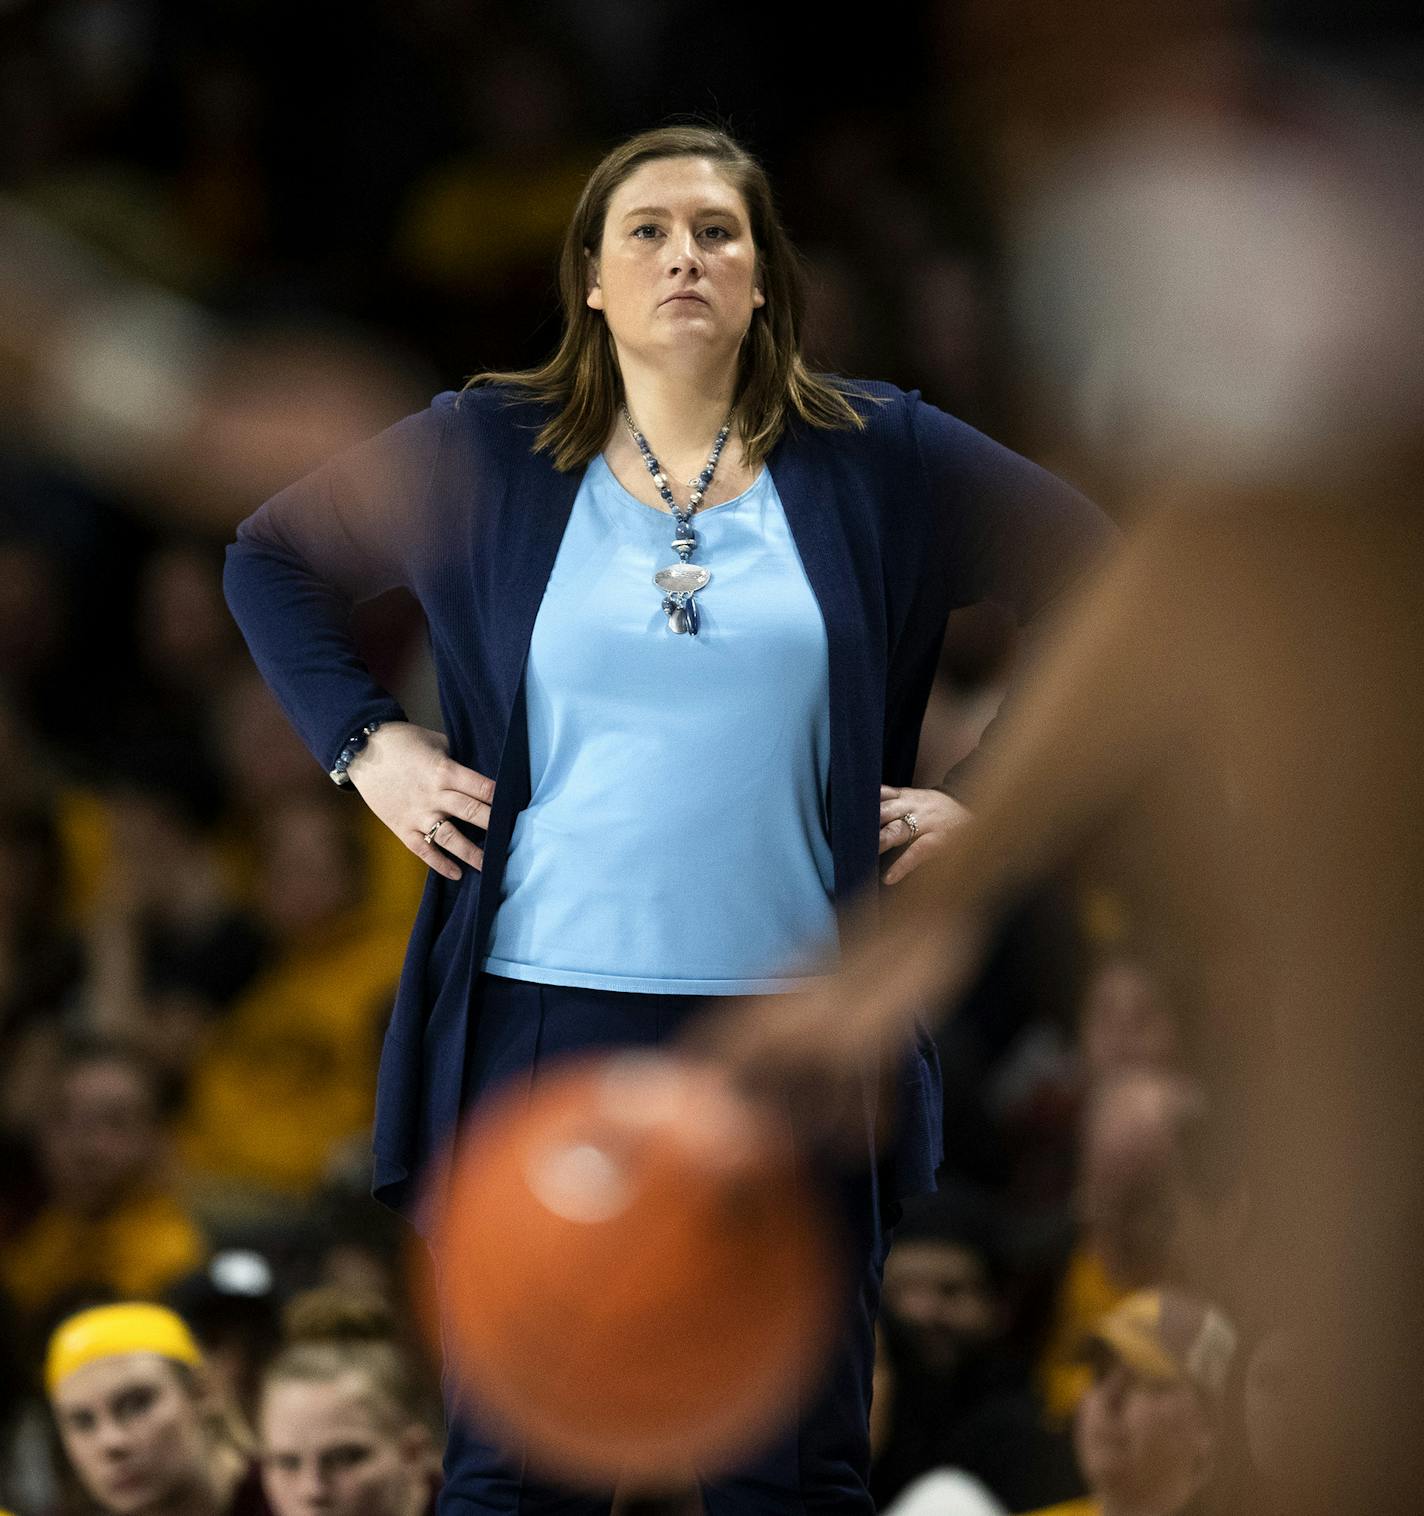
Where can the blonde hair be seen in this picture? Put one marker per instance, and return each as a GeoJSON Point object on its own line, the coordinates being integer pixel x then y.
{"type": "Point", "coordinates": [774, 385]}
{"type": "Point", "coordinates": [329, 1334]}
{"type": "Point", "coordinates": [223, 1423]}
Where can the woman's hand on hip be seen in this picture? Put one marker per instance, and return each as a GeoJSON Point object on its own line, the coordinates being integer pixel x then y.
{"type": "Point", "coordinates": [934, 816]}
{"type": "Point", "coordinates": [407, 777]}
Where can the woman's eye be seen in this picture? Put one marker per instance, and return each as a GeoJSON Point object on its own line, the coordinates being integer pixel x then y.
{"type": "Point", "coordinates": [347, 1456]}
{"type": "Point", "coordinates": [135, 1402]}
{"type": "Point", "coordinates": [714, 233]}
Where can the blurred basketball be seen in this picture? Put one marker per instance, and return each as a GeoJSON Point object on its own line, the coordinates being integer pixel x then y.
{"type": "Point", "coordinates": [636, 1282]}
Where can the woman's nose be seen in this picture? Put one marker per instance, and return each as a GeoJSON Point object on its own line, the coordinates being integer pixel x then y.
{"type": "Point", "coordinates": [683, 253]}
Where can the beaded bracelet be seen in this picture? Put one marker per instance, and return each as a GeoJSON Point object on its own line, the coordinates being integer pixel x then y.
{"type": "Point", "coordinates": [353, 746]}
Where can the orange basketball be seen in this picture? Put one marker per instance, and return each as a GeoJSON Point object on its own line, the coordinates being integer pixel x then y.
{"type": "Point", "coordinates": [636, 1282]}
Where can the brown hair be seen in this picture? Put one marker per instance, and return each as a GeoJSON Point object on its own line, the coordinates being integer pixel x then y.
{"type": "Point", "coordinates": [774, 384]}
{"type": "Point", "coordinates": [330, 1333]}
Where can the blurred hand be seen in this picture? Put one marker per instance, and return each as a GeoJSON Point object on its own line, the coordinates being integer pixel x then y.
{"type": "Point", "coordinates": [936, 815]}
{"type": "Point", "coordinates": [407, 777]}
{"type": "Point", "coordinates": [812, 1049]}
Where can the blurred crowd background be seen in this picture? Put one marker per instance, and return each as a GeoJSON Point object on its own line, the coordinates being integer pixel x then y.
{"type": "Point", "coordinates": [332, 212]}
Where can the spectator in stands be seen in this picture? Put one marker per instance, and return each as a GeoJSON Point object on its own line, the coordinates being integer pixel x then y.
{"type": "Point", "coordinates": [960, 1401]}
{"type": "Point", "coordinates": [1160, 1199]}
{"type": "Point", "coordinates": [111, 1220]}
{"type": "Point", "coordinates": [291, 1072]}
{"type": "Point", "coordinates": [170, 947]}
{"type": "Point", "coordinates": [232, 1307]}
{"type": "Point", "coordinates": [141, 1426]}
{"type": "Point", "coordinates": [343, 1421]}
{"type": "Point", "coordinates": [41, 962]}
{"type": "Point", "coordinates": [1158, 1187]}
{"type": "Point", "coordinates": [1148, 1429]}
{"type": "Point", "coordinates": [1125, 1023]}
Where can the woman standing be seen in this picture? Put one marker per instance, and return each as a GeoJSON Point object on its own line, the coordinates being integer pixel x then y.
{"type": "Point", "coordinates": [669, 707]}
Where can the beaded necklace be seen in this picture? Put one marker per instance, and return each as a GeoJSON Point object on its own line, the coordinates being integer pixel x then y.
{"type": "Point", "coordinates": [680, 581]}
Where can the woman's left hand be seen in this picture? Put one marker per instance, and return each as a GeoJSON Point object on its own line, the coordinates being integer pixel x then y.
{"type": "Point", "coordinates": [935, 816]}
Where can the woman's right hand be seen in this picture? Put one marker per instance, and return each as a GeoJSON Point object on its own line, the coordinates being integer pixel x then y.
{"type": "Point", "coordinates": [407, 777]}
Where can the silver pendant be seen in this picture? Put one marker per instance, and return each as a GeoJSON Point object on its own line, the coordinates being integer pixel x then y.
{"type": "Point", "coordinates": [681, 578]}
{"type": "Point", "coordinates": [682, 614]}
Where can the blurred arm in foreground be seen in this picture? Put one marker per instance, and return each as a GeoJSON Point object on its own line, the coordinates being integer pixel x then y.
{"type": "Point", "coordinates": [1229, 307]}
{"type": "Point", "coordinates": [145, 391]}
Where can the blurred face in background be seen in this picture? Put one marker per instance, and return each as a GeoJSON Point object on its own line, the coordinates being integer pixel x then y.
{"type": "Point", "coordinates": [312, 866]}
{"type": "Point", "coordinates": [334, 1448]}
{"type": "Point", "coordinates": [1133, 1198]}
{"type": "Point", "coordinates": [99, 1136]}
{"type": "Point", "coordinates": [184, 630]}
{"type": "Point", "coordinates": [941, 1294]}
{"type": "Point", "coordinates": [132, 1428]}
{"type": "Point", "coordinates": [1143, 1444]}
{"type": "Point", "coordinates": [264, 761]}
{"type": "Point", "coordinates": [676, 227]}
{"type": "Point", "coordinates": [1125, 1021]}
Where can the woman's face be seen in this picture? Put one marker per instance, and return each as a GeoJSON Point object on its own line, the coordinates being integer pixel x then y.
{"type": "Point", "coordinates": [1142, 1443]}
{"type": "Point", "coordinates": [326, 1453]}
{"type": "Point", "coordinates": [132, 1428]}
{"type": "Point", "coordinates": [677, 268]}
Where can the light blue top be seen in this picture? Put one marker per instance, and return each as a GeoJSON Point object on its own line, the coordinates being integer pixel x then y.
{"type": "Point", "coordinates": [677, 836]}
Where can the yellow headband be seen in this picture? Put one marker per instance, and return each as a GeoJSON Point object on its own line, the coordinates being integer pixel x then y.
{"type": "Point", "coordinates": [110, 1330]}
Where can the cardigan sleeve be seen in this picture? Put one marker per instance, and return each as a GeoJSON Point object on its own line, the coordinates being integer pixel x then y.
{"type": "Point", "coordinates": [344, 533]}
{"type": "Point", "coordinates": [1012, 533]}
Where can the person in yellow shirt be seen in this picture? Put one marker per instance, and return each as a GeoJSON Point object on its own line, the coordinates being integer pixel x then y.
{"type": "Point", "coordinates": [1147, 1429]}
{"type": "Point", "coordinates": [290, 1074]}
{"type": "Point", "coordinates": [112, 1221]}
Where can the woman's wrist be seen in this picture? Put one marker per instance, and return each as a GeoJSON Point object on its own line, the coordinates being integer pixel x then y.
{"type": "Point", "coordinates": [350, 748]}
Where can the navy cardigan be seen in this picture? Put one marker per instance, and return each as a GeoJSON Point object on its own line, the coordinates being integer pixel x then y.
{"type": "Point", "coordinates": [896, 526]}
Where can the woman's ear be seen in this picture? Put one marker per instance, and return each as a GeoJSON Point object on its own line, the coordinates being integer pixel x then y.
{"type": "Point", "coordinates": [593, 291]}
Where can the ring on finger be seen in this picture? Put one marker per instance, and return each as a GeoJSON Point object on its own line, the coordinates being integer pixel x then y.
{"type": "Point", "coordinates": [911, 821]}
{"type": "Point", "coordinates": [430, 834]}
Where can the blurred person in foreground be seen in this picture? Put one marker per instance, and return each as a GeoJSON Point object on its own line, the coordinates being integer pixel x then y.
{"type": "Point", "coordinates": [1283, 1387]}
{"type": "Point", "coordinates": [113, 1218]}
{"type": "Point", "coordinates": [1148, 1429]}
{"type": "Point", "coordinates": [151, 395]}
{"type": "Point", "coordinates": [1227, 290]}
{"type": "Point", "coordinates": [650, 792]}
{"type": "Point", "coordinates": [343, 1414]}
{"type": "Point", "coordinates": [144, 1431]}
{"type": "Point", "coordinates": [959, 1400]}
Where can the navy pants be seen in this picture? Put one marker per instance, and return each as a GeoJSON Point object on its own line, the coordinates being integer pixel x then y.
{"type": "Point", "coordinates": [823, 1463]}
